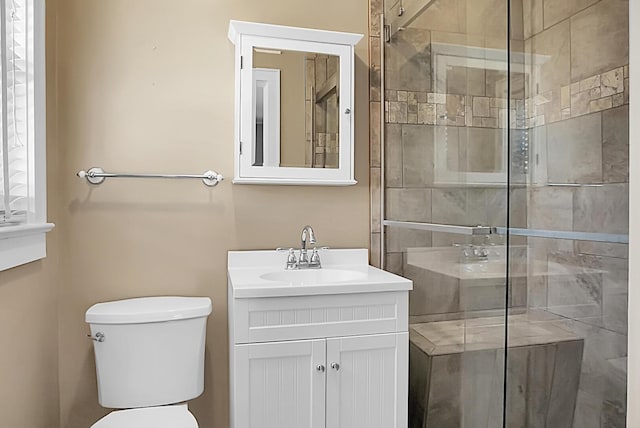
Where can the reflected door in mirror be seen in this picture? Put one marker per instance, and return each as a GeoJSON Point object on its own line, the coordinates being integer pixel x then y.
{"type": "Point", "coordinates": [296, 112]}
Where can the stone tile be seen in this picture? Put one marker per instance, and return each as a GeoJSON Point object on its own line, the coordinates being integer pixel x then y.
{"type": "Point", "coordinates": [374, 69]}
{"type": "Point", "coordinates": [461, 81]}
{"type": "Point", "coordinates": [445, 408]}
{"type": "Point", "coordinates": [612, 82]}
{"type": "Point", "coordinates": [518, 215]}
{"type": "Point", "coordinates": [580, 103]}
{"type": "Point", "coordinates": [533, 12]}
{"type": "Point", "coordinates": [602, 209]}
{"type": "Point", "coordinates": [443, 16]}
{"type": "Point", "coordinates": [572, 140]}
{"type": "Point", "coordinates": [558, 10]}
{"type": "Point", "coordinates": [600, 104]}
{"type": "Point", "coordinates": [565, 97]}
{"type": "Point", "coordinates": [426, 114]}
{"type": "Point", "coordinates": [374, 188]}
{"type": "Point", "coordinates": [568, 286]}
{"type": "Point", "coordinates": [408, 205]}
{"type": "Point", "coordinates": [588, 410]}
{"type": "Point", "coordinates": [374, 254]}
{"type": "Point", "coordinates": [449, 206]}
{"type": "Point", "coordinates": [551, 208]}
{"type": "Point", "coordinates": [394, 263]}
{"type": "Point", "coordinates": [375, 9]}
{"type": "Point", "coordinates": [626, 91]}
{"type": "Point", "coordinates": [566, 379]}
{"type": "Point", "coordinates": [419, 379]}
{"type": "Point", "coordinates": [397, 112]}
{"type": "Point", "coordinates": [482, 150]}
{"type": "Point", "coordinates": [553, 43]}
{"type": "Point", "coordinates": [620, 251]}
{"type": "Point", "coordinates": [589, 83]}
{"type": "Point", "coordinates": [374, 134]}
{"type": "Point", "coordinates": [618, 100]}
{"type": "Point", "coordinates": [455, 105]}
{"type": "Point", "coordinates": [432, 293]}
{"type": "Point", "coordinates": [399, 239]}
{"type": "Point", "coordinates": [538, 150]}
{"type": "Point", "coordinates": [599, 38]}
{"type": "Point", "coordinates": [615, 145]}
{"type": "Point", "coordinates": [481, 106]}
{"type": "Point", "coordinates": [459, 206]}
{"type": "Point", "coordinates": [393, 155]}
{"type": "Point", "coordinates": [527, 395]}
{"type": "Point", "coordinates": [481, 387]}
{"type": "Point", "coordinates": [575, 88]}
{"type": "Point", "coordinates": [408, 61]}
{"type": "Point", "coordinates": [537, 292]}
{"type": "Point", "coordinates": [436, 98]}
{"type": "Point", "coordinates": [418, 155]}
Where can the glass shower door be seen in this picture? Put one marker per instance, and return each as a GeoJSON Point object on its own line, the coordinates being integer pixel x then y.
{"type": "Point", "coordinates": [446, 192]}
{"type": "Point", "coordinates": [506, 202]}
{"type": "Point", "coordinates": [575, 139]}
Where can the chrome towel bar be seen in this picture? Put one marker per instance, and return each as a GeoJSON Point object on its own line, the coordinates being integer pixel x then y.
{"type": "Point", "coordinates": [97, 175]}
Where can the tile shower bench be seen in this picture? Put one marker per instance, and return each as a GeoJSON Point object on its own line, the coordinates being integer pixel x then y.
{"type": "Point", "coordinates": [457, 372]}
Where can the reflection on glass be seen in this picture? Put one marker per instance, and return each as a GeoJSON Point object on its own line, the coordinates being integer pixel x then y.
{"type": "Point", "coordinates": [297, 119]}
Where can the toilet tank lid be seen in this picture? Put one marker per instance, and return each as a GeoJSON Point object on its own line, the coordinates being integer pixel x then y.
{"type": "Point", "coordinates": [148, 309]}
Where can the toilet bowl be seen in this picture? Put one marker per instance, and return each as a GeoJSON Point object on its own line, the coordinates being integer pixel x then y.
{"type": "Point", "coordinates": [149, 356]}
{"type": "Point", "coordinates": [174, 416]}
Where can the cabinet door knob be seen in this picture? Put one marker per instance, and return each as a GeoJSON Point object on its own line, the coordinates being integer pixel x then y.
{"type": "Point", "coordinates": [335, 366]}
{"type": "Point", "coordinates": [320, 368]}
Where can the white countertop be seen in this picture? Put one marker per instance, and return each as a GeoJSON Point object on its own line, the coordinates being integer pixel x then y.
{"type": "Point", "coordinates": [245, 269]}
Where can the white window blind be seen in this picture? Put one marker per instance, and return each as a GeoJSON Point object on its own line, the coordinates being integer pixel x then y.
{"type": "Point", "coordinates": [17, 187]}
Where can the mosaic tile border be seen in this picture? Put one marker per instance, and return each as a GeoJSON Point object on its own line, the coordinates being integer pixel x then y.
{"type": "Point", "coordinates": [596, 93]}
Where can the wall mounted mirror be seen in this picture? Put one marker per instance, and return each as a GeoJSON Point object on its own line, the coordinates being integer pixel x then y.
{"type": "Point", "coordinates": [294, 105]}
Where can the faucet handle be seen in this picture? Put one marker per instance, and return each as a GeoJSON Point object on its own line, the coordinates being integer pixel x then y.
{"type": "Point", "coordinates": [314, 261]}
{"type": "Point", "coordinates": [292, 262]}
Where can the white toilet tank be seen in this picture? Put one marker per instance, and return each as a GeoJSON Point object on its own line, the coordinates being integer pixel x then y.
{"type": "Point", "coordinates": [149, 351]}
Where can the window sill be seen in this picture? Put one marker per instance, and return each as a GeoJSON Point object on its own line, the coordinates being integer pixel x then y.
{"type": "Point", "coordinates": [23, 244]}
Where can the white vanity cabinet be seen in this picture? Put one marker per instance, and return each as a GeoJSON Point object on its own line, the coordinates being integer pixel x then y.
{"type": "Point", "coordinates": [302, 357]}
{"type": "Point", "coordinates": [346, 382]}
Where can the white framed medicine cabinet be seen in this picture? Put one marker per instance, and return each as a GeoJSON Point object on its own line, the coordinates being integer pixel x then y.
{"type": "Point", "coordinates": [294, 95]}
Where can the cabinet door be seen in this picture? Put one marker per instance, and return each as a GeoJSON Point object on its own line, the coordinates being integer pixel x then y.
{"type": "Point", "coordinates": [367, 381]}
{"type": "Point", "coordinates": [280, 385]}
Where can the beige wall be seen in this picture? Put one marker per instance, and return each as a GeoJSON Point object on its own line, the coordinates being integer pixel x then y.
{"type": "Point", "coordinates": [28, 311]}
{"type": "Point", "coordinates": [292, 103]}
{"type": "Point", "coordinates": [148, 86]}
{"type": "Point", "coordinates": [29, 345]}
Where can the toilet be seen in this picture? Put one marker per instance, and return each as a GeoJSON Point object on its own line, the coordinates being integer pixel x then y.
{"type": "Point", "coordinates": [149, 355]}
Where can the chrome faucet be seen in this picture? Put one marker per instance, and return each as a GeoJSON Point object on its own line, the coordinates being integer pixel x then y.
{"type": "Point", "coordinates": [304, 262]}
{"type": "Point", "coordinates": [471, 252]}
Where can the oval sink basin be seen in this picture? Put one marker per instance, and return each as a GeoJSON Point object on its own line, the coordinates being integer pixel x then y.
{"type": "Point", "coordinates": [313, 276]}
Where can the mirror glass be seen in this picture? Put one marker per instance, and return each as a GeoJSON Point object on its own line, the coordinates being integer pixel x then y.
{"type": "Point", "coordinates": [296, 111]}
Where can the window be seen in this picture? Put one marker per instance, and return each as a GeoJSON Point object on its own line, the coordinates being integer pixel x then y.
{"type": "Point", "coordinates": [23, 224]}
